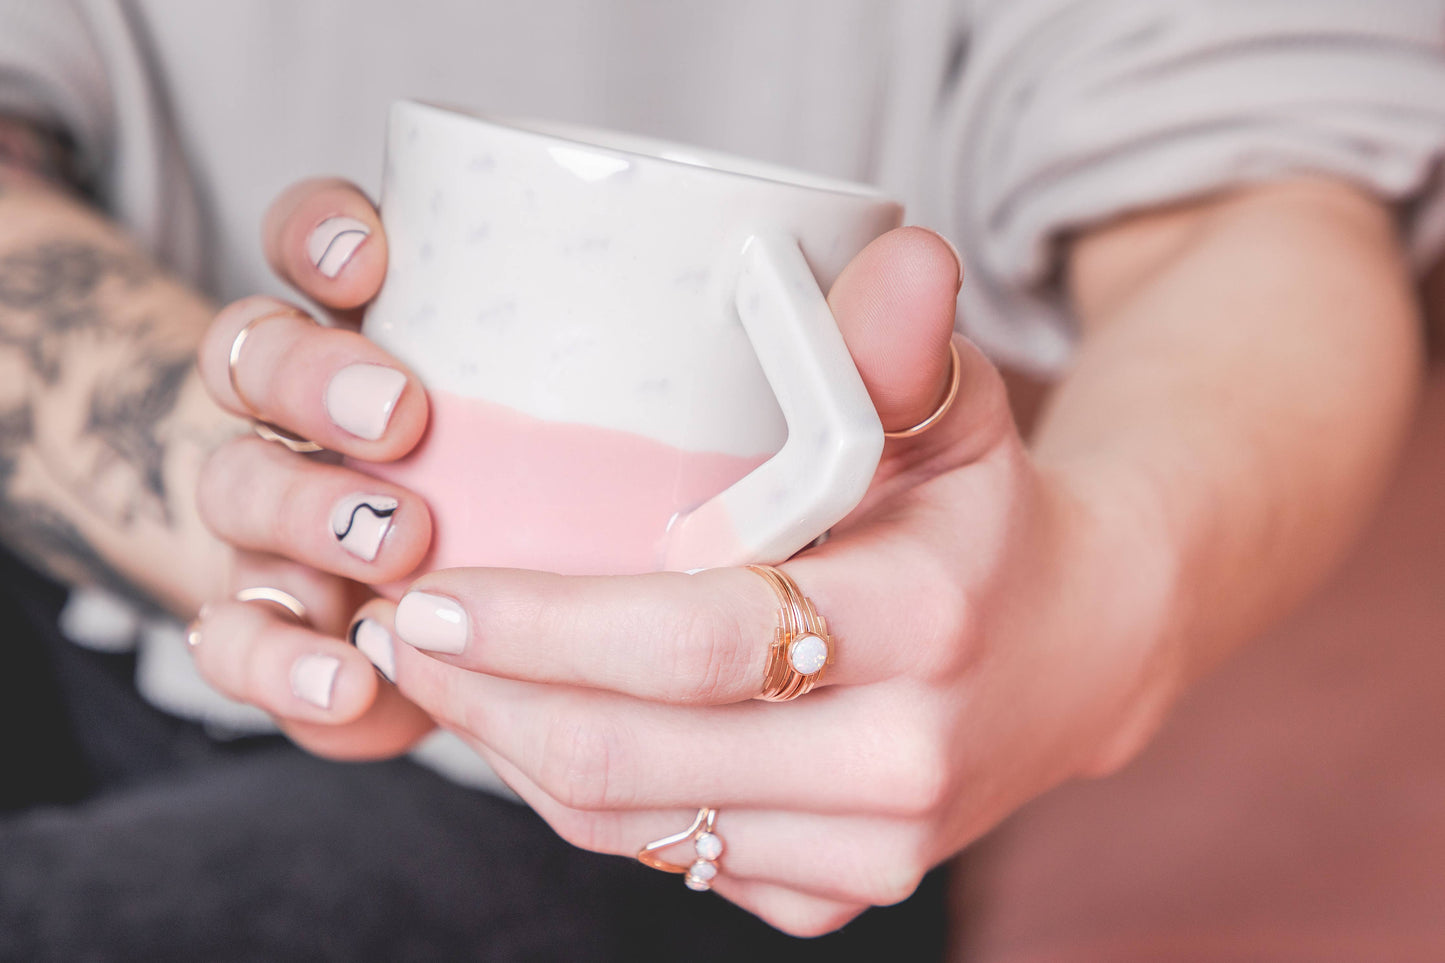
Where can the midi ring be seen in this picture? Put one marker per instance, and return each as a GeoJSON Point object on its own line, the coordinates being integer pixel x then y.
{"type": "Point", "coordinates": [264, 593]}
{"type": "Point", "coordinates": [264, 428]}
{"type": "Point", "coordinates": [955, 365]}
{"type": "Point", "coordinates": [707, 845]}
{"type": "Point", "coordinates": [802, 649]}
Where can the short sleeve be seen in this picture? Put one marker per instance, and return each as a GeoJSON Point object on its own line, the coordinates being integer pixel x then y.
{"type": "Point", "coordinates": [1075, 111]}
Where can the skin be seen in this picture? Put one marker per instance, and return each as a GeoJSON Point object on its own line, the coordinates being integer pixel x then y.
{"type": "Point", "coordinates": [1008, 614]}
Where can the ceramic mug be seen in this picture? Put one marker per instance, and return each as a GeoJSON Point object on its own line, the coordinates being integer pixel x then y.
{"type": "Point", "coordinates": [629, 359]}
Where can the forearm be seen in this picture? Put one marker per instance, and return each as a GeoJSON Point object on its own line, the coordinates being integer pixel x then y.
{"type": "Point", "coordinates": [1248, 370]}
{"type": "Point", "coordinates": [103, 423]}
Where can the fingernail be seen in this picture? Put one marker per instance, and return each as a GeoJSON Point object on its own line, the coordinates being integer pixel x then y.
{"type": "Point", "coordinates": [958, 258]}
{"type": "Point", "coordinates": [312, 677]}
{"type": "Point", "coordinates": [333, 241]}
{"type": "Point", "coordinates": [371, 638]}
{"type": "Point", "coordinates": [431, 622]}
{"type": "Point", "coordinates": [360, 522]}
{"type": "Point", "coordinates": [361, 397]}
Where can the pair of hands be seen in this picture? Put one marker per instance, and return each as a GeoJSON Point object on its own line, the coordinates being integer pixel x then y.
{"type": "Point", "coordinates": [986, 646]}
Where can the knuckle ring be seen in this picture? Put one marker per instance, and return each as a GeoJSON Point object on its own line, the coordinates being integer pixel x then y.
{"type": "Point", "coordinates": [955, 365]}
{"type": "Point", "coordinates": [275, 596]}
{"type": "Point", "coordinates": [707, 845]}
{"type": "Point", "coordinates": [264, 428]}
{"type": "Point", "coordinates": [802, 649]}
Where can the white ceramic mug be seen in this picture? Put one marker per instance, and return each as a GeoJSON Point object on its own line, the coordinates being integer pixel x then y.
{"type": "Point", "coordinates": [629, 358]}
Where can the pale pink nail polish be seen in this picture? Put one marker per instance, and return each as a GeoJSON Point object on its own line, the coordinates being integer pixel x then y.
{"type": "Point", "coordinates": [360, 522]}
{"type": "Point", "coordinates": [373, 641]}
{"type": "Point", "coordinates": [312, 678]}
{"type": "Point", "coordinates": [333, 242]}
{"type": "Point", "coordinates": [361, 398]}
{"type": "Point", "coordinates": [431, 622]}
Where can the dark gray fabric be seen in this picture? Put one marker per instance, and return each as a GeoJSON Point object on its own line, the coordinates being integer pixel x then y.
{"type": "Point", "coordinates": [132, 837]}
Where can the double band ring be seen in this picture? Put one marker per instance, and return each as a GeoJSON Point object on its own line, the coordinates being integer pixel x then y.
{"type": "Point", "coordinates": [955, 376]}
{"type": "Point", "coordinates": [265, 593]}
{"type": "Point", "coordinates": [262, 427]}
{"type": "Point", "coordinates": [802, 649]}
{"type": "Point", "coordinates": [707, 846]}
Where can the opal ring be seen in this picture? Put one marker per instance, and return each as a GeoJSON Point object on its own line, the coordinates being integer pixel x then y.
{"type": "Point", "coordinates": [707, 846]}
{"type": "Point", "coordinates": [802, 649]}
{"type": "Point", "coordinates": [262, 427]}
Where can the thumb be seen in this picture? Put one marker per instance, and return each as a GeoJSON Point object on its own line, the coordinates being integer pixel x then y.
{"type": "Point", "coordinates": [895, 305]}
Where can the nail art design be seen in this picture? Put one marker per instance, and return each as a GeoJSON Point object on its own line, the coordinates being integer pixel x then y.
{"type": "Point", "coordinates": [360, 398]}
{"type": "Point", "coordinates": [360, 522]}
{"type": "Point", "coordinates": [333, 241]}
{"type": "Point", "coordinates": [431, 622]}
{"type": "Point", "coordinates": [373, 641]}
{"type": "Point", "coordinates": [312, 678]}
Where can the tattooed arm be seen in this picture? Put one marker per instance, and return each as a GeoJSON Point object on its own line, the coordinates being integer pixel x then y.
{"type": "Point", "coordinates": [103, 424]}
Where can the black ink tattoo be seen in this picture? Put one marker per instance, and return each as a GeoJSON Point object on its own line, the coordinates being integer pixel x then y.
{"type": "Point", "coordinates": [77, 357]}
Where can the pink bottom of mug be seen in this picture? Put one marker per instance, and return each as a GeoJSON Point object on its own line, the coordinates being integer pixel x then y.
{"type": "Point", "coordinates": [508, 490]}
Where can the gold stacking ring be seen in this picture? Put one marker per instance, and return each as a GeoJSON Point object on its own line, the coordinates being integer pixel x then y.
{"type": "Point", "coordinates": [802, 649]}
{"type": "Point", "coordinates": [955, 367]}
{"type": "Point", "coordinates": [262, 427]}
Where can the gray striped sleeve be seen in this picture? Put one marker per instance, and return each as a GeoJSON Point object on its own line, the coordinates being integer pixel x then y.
{"type": "Point", "coordinates": [1075, 111]}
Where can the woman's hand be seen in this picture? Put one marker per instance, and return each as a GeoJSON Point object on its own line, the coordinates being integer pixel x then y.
{"type": "Point", "coordinates": [992, 628]}
{"type": "Point", "coordinates": [303, 524]}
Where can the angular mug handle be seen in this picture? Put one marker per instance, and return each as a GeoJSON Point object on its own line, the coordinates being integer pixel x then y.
{"type": "Point", "coordinates": [834, 436]}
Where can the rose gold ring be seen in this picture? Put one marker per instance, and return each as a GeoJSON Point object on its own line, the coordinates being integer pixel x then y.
{"type": "Point", "coordinates": [707, 846]}
{"type": "Point", "coordinates": [802, 649]}
{"type": "Point", "coordinates": [264, 593]}
{"type": "Point", "coordinates": [262, 427]}
{"type": "Point", "coordinates": [955, 366]}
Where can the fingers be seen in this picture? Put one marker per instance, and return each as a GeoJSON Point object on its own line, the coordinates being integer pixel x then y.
{"type": "Point", "coordinates": [772, 863]}
{"type": "Point", "coordinates": [323, 692]}
{"type": "Point", "coordinates": [325, 239]}
{"type": "Point", "coordinates": [698, 639]}
{"type": "Point", "coordinates": [329, 385]}
{"type": "Point", "coordinates": [595, 750]}
{"type": "Point", "coordinates": [256, 495]}
{"type": "Point", "coordinates": [895, 305]}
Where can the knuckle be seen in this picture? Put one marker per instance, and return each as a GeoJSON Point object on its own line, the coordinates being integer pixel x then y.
{"type": "Point", "coordinates": [814, 921]}
{"type": "Point", "coordinates": [947, 623]}
{"type": "Point", "coordinates": [893, 883]}
{"type": "Point", "coordinates": [708, 655]}
{"type": "Point", "coordinates": [919, 779]}
{"type": "Point", "coordinates": [580, 763]}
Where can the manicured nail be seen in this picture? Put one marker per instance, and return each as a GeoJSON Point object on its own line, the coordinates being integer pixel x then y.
{"type": "Point", "coordinates": [333, 241]}
{"type": "Point", "coordinates": [431, 622]}
{"type": "Point", "coordinates": [958, 258]}
{"type": "Point", "coordinates": [360, 522]}
{"type": "Point", "coordinates": [371, 638]}
{"type": "Point", "coordinates": [361, 397]}
{"type": "Point", "coordinates": [312, 677]}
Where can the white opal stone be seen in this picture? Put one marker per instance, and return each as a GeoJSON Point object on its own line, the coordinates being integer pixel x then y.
{"type": "Point", "coordinates": [695, 884]}
{"type": "Point", "coordinates": [808, 654]}
{"type": "Point", "coordinates": [703, 870]}
{"type": "Point", "coordinates": [708, 846]}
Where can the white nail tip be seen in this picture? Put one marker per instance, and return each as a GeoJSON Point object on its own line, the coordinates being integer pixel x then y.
{"type": "Point", "coordinates": [431, 622]}
{"type": "Point", "coordinates": [312, 678]}
{"type": "Point", "coordinates": [374, 642]}
{"type": "Point", "coordinates": [333, 241]}
{"type": "Point", "coordinates": [361, 398]}
{"type": "Point", "coordinates": [360, 522]}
